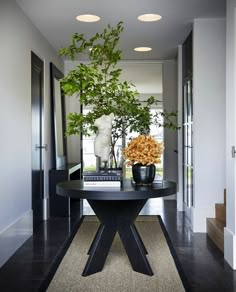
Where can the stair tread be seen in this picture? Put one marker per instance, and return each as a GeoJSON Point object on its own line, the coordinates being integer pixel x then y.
{"type": "Point", "coordinates": [220, 205]}
{"type": "Point", "coordinates": [215, 230]}
{"type": "Point", "coordinates": [219, 225]}
{"type": "Point", "coordinates": [215, 226]}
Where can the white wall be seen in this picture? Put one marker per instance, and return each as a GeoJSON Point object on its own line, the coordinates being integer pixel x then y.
{"type": "Point", "coordinates": [18, 38]}
{"type": "Point", "coordinates": [170, 136]}
{"type": "Point", "coordinates": [72, 105]}
{"type": "Point", "coordinates": [208, 118]}
{"type": "Point", "coordinates": [230, 230]}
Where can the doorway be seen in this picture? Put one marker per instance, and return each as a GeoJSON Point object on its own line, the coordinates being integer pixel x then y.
{"type": "Point", "coordinates": [148, 80]}
{"type": "Point", "coordinates": [37, 85]}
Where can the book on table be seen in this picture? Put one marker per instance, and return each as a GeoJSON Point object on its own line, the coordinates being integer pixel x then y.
{"type": "Point", "coordinates": [111, 184]}
{"type": "Point", "coordinates": [102, 178]}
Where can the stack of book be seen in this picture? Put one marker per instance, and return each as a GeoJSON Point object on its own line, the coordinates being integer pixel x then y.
{"type": "Point", "coordinates": [103, 178]}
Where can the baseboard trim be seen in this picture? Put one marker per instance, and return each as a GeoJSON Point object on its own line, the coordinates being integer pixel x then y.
{"type": "Point", "coordinates": [171, 197]}
{"type": "Point", "coordinates": [230, 247]}
{"type": "Point", "coordinates": [180, 206]}
{"type": "Point", "coordinates": [15, 235]}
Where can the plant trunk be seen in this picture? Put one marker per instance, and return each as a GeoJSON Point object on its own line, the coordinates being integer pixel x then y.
{"type": "Point", "coordinates": [113, 155]}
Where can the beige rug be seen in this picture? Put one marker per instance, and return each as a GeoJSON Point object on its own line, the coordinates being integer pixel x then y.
{"type": "Point", "coordinates": [117, 274]}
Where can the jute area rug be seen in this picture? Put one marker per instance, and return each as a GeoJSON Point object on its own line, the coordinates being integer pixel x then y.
{"type": "Point", "coordinates": [117, 274]}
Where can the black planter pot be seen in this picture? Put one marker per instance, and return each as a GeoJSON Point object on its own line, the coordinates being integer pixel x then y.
{"type": "Point", "coordinates": [143, 174]}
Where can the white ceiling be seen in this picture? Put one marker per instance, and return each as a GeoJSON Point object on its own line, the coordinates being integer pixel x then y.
{"type": "Point", "coordinates": [56, 21]}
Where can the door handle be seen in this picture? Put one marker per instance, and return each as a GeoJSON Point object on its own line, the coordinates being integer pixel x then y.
{"type": "Point", "coordinates": [233, 151]}
{"type": "Point", "coordinates": [45, 147]}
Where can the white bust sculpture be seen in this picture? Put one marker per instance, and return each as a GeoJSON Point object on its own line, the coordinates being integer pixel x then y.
{"type": "Point", "coordinates": [102, 141]}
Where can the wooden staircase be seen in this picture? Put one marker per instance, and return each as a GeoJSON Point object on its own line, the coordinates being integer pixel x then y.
{"type": "Point", "coordinates": [215, 226]}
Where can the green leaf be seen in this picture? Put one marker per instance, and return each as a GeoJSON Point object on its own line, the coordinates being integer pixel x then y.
{"type": "Point", "coordinates": [97, 84]}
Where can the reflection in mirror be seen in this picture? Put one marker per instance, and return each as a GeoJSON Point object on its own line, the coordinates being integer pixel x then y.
{"type": "Point", "coordinates": [58, 118]}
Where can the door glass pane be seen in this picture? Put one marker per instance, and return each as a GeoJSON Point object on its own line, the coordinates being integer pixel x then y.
{"type": "Point", "coordinates": [189, 185]}
{"type": "Point", "coordinates": [189, 103]}
{"type": "Point", "coordinates": [155, 131]}
{"type": "Point", "coordinates": [89, 159]}
{"type": "Point", "coordinates": [188, 143]}
{"type": "Point", "coordinates": [185, 177]}
{"type": "Point", "coordinates": [158, 134]}
{"type": "Point", "coordinates": [191, 99]}
{"type": "Point", "coordinates": [185, 104]}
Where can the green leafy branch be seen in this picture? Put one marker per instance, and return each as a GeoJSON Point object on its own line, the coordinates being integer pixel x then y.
{"type": "Point", "coordinates": [97, 84]}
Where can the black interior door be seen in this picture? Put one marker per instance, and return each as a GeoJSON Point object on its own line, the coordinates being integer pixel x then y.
{"type": "Point", "coordinates": [37, 71]}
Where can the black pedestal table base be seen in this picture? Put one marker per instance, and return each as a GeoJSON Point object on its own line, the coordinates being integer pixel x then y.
{"type": "Point", "coordinates": [117, 216]}
{"type": "Point", "coordinates": [116, 210]}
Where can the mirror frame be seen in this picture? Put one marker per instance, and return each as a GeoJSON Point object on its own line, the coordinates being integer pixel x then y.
{"type": "Point", "coordinates": [59, 149]}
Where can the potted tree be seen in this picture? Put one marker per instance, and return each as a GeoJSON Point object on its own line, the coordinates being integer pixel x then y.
{"type": "Point", "coordinates": [97, 83]}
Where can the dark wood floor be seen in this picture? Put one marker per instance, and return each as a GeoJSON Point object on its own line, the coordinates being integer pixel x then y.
{"type": "Point", "coordinates": [35, 262]}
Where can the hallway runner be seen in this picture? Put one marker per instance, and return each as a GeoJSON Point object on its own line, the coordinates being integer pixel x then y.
{"type": "Point", "coordinates": [117, 274]}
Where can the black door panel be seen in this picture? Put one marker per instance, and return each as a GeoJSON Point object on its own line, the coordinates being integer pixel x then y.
{"type": "Point", "coordinates": [37, 119]}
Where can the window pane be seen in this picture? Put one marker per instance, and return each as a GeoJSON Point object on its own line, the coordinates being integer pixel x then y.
{"type": "Point", "coordinates": [155, 131]}
{"type": "Point", "coordinates": [89, 159]}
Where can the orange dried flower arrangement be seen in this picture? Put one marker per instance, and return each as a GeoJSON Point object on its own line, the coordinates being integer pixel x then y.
{"type": "Point", "coordinates": [143, 149]}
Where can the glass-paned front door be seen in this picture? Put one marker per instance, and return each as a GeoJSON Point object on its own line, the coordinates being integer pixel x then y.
{"type": "Point", "coordinates": [188, 143]}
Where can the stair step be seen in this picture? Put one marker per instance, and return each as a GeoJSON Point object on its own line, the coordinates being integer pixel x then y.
{"type": "Point", "coordinates": [215, 230]}
{"type": "Point", "coordinates": [220, 210]}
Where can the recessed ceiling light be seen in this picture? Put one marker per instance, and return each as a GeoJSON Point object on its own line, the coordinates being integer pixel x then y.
{"type": "Point", "coordinates": [149, 17]}
{"type": "Point", "coordinates": [142, 49]}
{"type": "Point", "coordinates": [88, 18]}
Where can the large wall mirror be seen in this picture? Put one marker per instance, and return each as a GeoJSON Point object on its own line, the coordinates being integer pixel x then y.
{"type": "Point", "coordinates": [58, 119]}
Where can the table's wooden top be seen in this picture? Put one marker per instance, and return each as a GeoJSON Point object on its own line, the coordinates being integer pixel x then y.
{"type": "Point", "coordinates": [127, 191]}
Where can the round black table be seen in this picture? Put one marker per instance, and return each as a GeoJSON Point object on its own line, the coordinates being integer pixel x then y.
{"type": "Point", "coordinates": [116, 209]}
